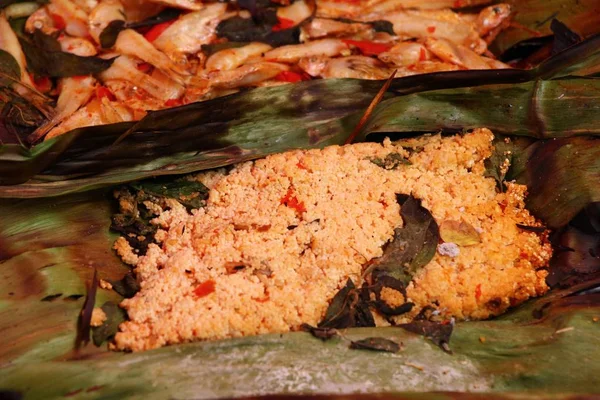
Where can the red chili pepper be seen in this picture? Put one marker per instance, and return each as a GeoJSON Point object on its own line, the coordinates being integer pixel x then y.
{"type": "Point", "coordinates": [291, 201]}
{"type": "Point", "coordinates": [431, 29]}
{"type": "Point", "coordinates": [283, 24]}
{"type": "Point", "coordinates": [157, 30]}
{"type": "Point", "coordinates": [43, 84]}
{"type": "Point", "coordinates": [289, 76]}
{"type": "Point", "coordinates": [478, 292]}
{"type": "Point", "coordinates": [144, 67]}
{"type": "Point", "coordinates": [458, 4]}
{"type": "Point", "coordinates": [300, 165]}
{"type": "Point", "coordinates": [58, 22]}
{"type": "Point", "coordinates": [173, 102]}
{"type": "Point", "coordinates": [422, 55]}
{"type": "Point", "coordinates": [368, 48]}
{"type": "Point", "coordinates": [102, 92]}
{"type": "Point", "coordinates": [205, 288]}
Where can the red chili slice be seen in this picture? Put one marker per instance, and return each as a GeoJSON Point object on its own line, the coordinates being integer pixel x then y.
{"type": "Point", "coordinates": [431, 29]}
{"type": "Point", "coordinates": [157, 30]}
{"type": "Point", "coordinates": [43, 84]}
{"type": "Point", "coordinates": [144, 67]}
{"type": "Point", "coordinates": [102, 92]}
{"type": "Point", "coordinates": [283, 24]}
{"type": "Point", "coordinates": [173, 102]}
{"type": "Point", "coordinates": [290, 200]}
{"type": "Point", "coordinates": [478, 292]}
{"type": "Point", "coordinates": [58, 22]}
{"type": "Point", "coordinates": [422, 55]}
{"type": "Point", "coordinates": [368, 48]}
{"type": "Point", "coordinates": [205, 288]}
{"type": "Point", "coordinates": [289, 76]}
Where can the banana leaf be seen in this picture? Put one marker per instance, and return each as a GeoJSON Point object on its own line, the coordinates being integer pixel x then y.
{"type": "Point", "coordinates": [49, 249]}
{"type": "Point", "coordinates": [533, 18]}
{"type": "Point", "coordinates": [267, 120]}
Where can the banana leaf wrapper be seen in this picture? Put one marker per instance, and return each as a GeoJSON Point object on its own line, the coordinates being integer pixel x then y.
{"type": "Point", "coordinates": [50, 248]}
{"type": "Point", "coordinates": [533, 18]}
{"type": "Point", "coordinates": [311, 114]}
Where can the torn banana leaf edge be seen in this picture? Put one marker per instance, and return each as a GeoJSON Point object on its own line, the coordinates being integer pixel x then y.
{"type": "Point", "coordinates": [263, 121]}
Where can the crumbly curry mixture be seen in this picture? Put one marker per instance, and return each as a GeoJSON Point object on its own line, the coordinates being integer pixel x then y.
{"type": "Point", "coordinates": [281, 235]}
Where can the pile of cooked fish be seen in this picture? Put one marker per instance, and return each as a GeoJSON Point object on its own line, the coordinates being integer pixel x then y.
{"type": "Point", "coordinates": [167, 53]}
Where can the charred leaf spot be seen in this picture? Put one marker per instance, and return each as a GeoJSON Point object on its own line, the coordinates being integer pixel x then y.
{"type": "Point", "coordinates": [232, 268]}
{"type": "Point", "coordinates": [52, 297]}
{"type": "Point", "coordinates": [73, 297]}
{"type": "Point", "coordinates": [494, 303]}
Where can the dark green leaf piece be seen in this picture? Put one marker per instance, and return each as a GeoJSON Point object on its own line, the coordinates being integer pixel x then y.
{"type": "Point", "coordinates": [210, 49]}
{"type": "Point", "coordinates": [383, 26]}
{"type": "Point", "coordinates": [391, 161]}
{"type": "Point", "coordinates": [191, 194]}
{"type": "Point", "coordinates": [438, 332]}
{"type": "Point", "coordinates": [376, 344]}
{"type": "Point", "coordinates": [107, 331]}
{"type": "Point", "coordinates": [9, 69]}
{"type": "Point", "coordinates": [381, 280]}
{"type": "Point", "coordinates": [563, 36]}
{"type": "Point", "coordinates": [18, 118]}
{"type": "Point", "coordinates": [413, 245]}
{"type": "Point", "coordinates": [45, 58]}
{"type": "Point", "coordinates": [322, 333]}
{"type": "Point", "coordinates": [126, 287]}
{"type": "Point", "coordinates": [348, 308]}
{"type": "Point", "coordinates": [109, 35]}
{"type": "Point", "coordinates": [238, 29]}
{"type": "Point", "coordinates": [498, 164]}
{"type": "Point", "coordinates": [133, 222]}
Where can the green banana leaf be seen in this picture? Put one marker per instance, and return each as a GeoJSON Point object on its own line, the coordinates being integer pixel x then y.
{"type": "Point", "coordinates": [267, 120]}
{"type": "Point", "coordinates": [50, 248]}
